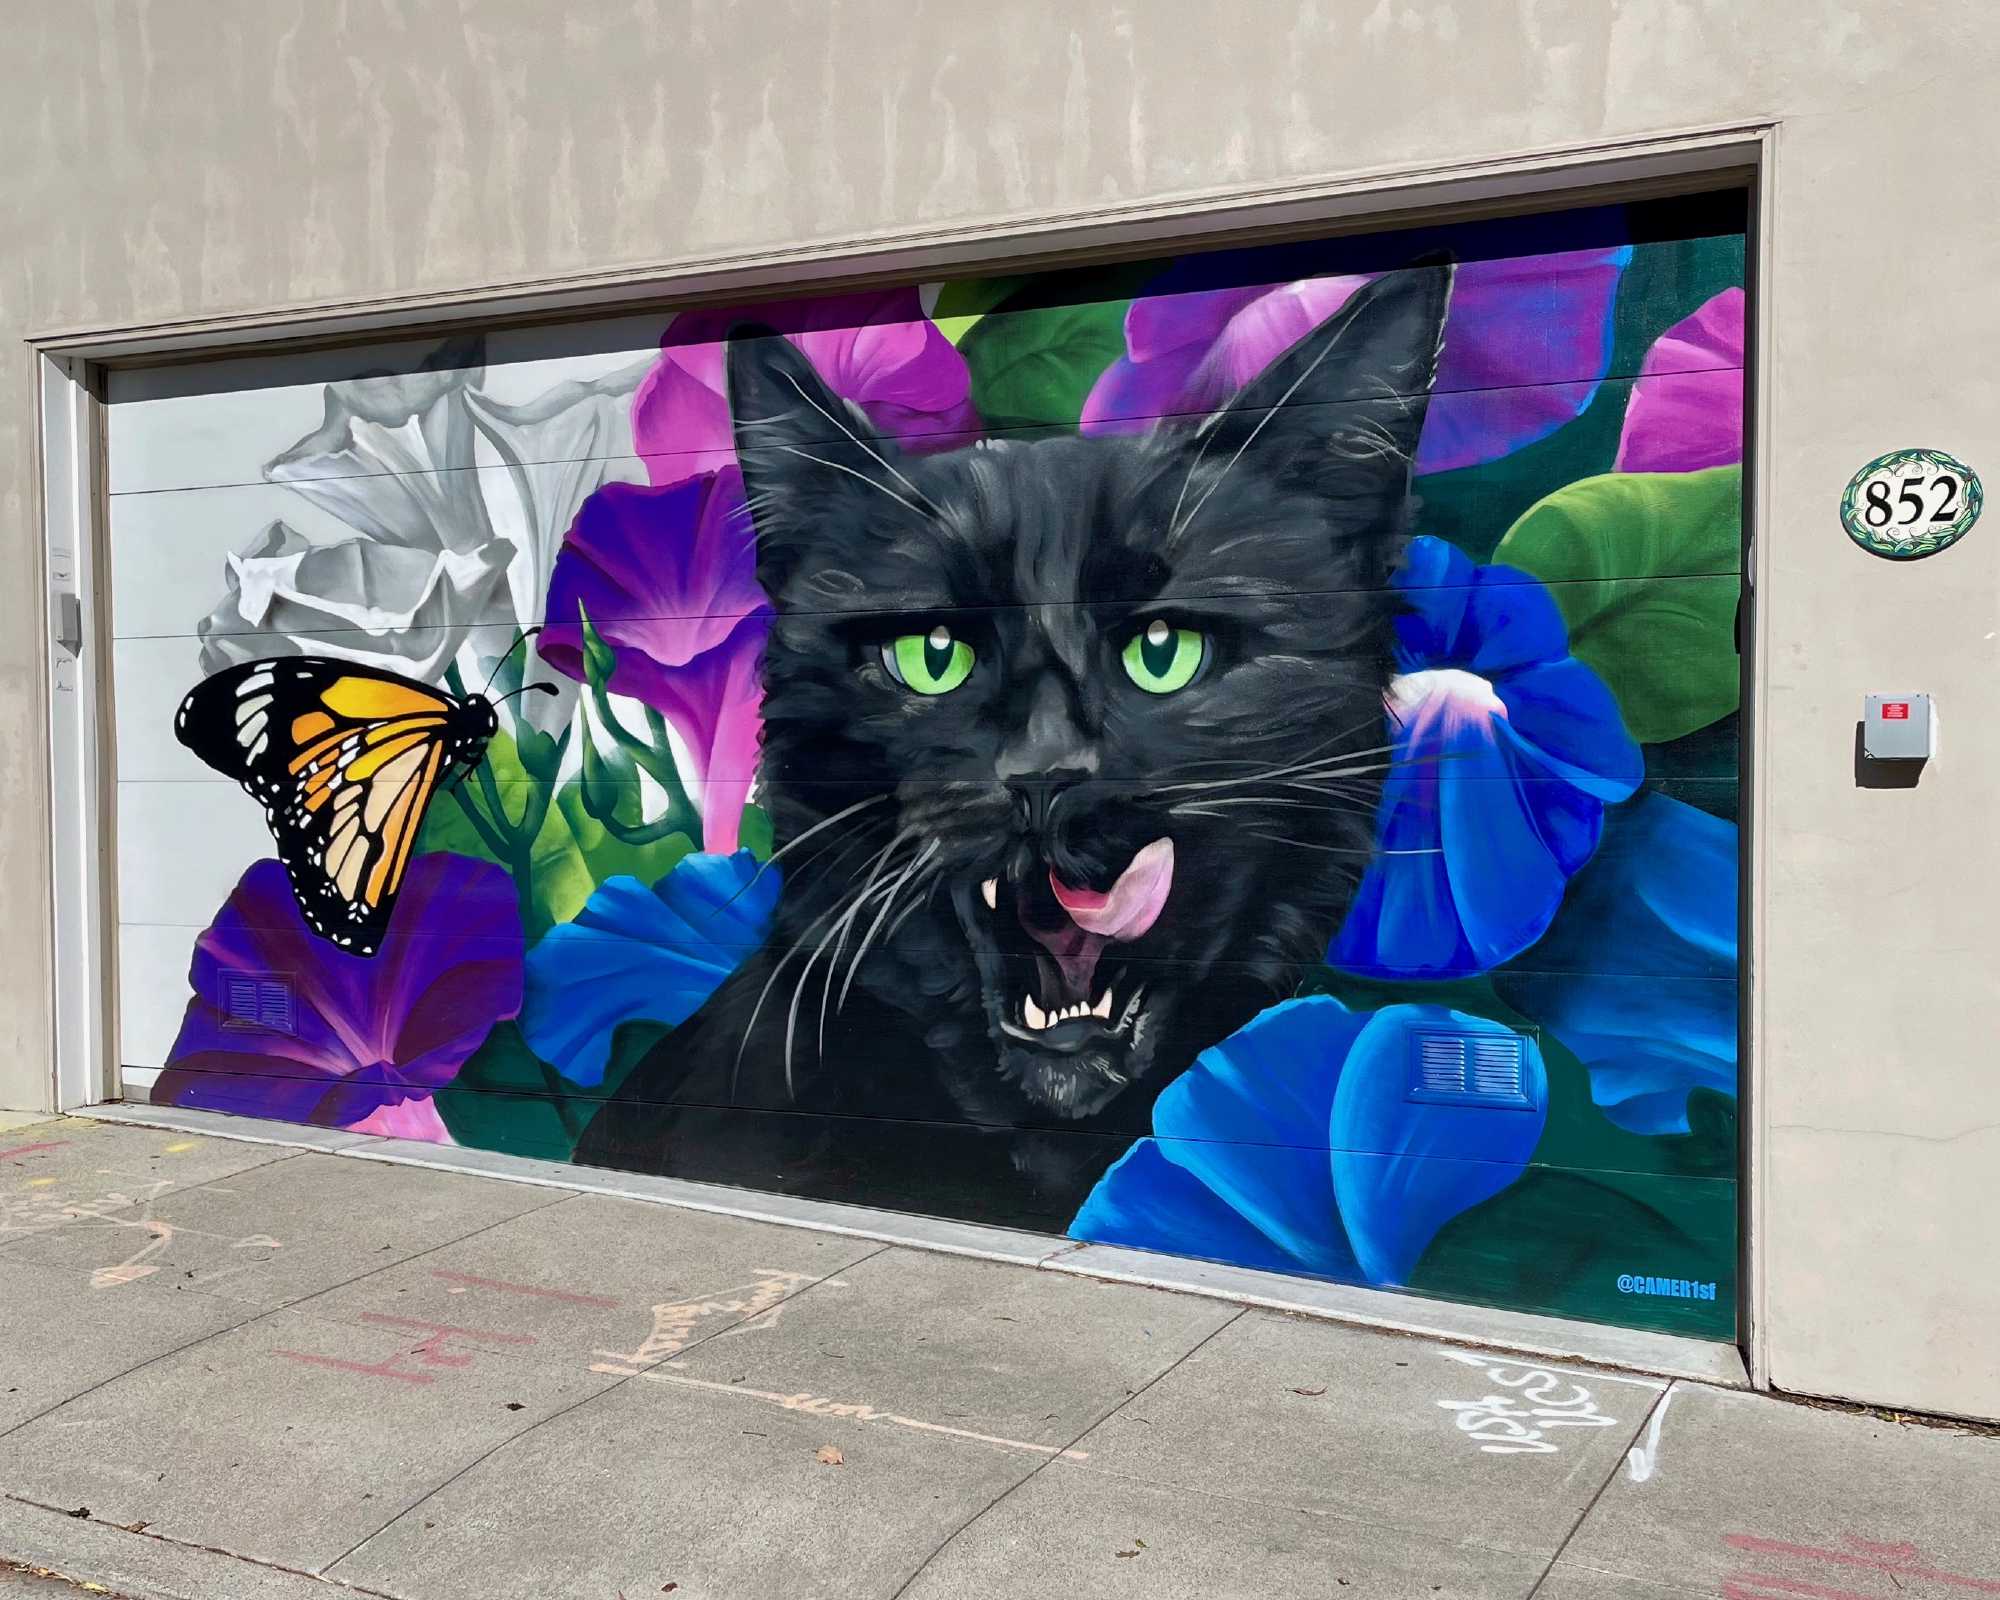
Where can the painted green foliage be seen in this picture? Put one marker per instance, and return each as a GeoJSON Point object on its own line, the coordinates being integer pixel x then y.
{"type": "Point", "coordinates": [1644, 567]}
{"type": "Point", "coordinates": [558, 852]}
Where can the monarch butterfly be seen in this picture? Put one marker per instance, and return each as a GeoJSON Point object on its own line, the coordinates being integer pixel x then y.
{"type": "Point", "coordinates": [345, 760]}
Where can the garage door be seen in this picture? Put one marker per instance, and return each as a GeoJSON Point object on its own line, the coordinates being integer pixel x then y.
{"type": "Point", "coordinates": [1232, 754]}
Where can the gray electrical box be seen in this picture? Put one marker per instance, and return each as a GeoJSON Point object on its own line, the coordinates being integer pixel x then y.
{"type": "Point", "coordinates": [1897, 727]}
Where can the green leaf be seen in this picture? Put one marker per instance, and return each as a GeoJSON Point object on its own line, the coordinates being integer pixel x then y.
{"type": "Point", "coordinates": [754, 832]}
{"type": "Point", "coordinates": [1645, 567]}
{"type": "Point", "coordinates": [599, 661]}
{"type": "Point", "coordinates": [541, 754]}
{"type": "Point", "coordinates": [507, 1098]}
{"type": "Point", "coordinates": [446, 826]}
{"type": "Point", "coordinates": [962, 302]}
{"type": "Point", "coordinates": [1558, 1241]}
{"type": "Point", "coordinates": [609, 779]}
{"type": "Point", "coordinates": [590, 853]}
{"type": "Point", "coordinates": [1035, 367]}
{"type": "Point", "coordinates": [571, 854]}
{"type": "Point", "coordinates": [631, 1042]}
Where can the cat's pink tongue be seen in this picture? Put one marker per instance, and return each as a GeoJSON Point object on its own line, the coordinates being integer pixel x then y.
{"type": "Point", "coordinates": [1132, 904]}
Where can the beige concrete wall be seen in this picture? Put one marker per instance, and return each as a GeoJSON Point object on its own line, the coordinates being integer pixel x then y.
{"type": "Point", "coordinates": [189, 159]}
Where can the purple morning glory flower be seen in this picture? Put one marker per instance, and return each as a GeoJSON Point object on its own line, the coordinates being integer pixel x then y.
{"type": "Point", "coordinates": [352, 1040]}
{"type": "Point", "coordinates": [1526, 344]}
{"type": "Point", "coordinates": [1686, 410]}
{"type": "Point", "coordinates": [635, 952]}
{"type": "Point", "coordinates": [1507, 750]}
{"type": "Point", "coordinates": [1295, 1146]}
{"type": "Point", "coordinates": [877, 349]}
{"type": "Point", "coordinates": [667, 575]}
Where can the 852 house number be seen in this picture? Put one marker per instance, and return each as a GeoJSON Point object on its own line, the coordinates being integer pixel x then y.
{"type": "Point", "coordinates": [1911, 503]}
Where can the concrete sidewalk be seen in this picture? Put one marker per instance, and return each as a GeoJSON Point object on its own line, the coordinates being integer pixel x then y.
{"type": "Point", "coordinates": [235, 1369]}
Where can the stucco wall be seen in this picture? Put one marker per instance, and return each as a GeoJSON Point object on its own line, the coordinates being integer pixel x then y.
{"type": "Point", "coordinates": [172, 162]}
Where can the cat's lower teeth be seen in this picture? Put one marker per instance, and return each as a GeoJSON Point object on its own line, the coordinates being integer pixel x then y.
{"type": "Point", "coordinates": [1040, 1020]}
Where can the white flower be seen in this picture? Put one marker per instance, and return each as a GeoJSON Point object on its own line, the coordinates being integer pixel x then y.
{"type": "Point", "coordinates": [405, 609]}
{"type": "Point", "coordinates": [459, 503]}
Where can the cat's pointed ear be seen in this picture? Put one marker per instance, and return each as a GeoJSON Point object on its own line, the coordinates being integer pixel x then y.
{"type": "Point", "coordinates": [1341, 409]}
{"type": "Point", "coordinates": [809, 459]}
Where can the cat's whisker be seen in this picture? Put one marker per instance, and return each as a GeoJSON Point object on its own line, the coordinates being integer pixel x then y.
{"type": "Point", "coordinates": [1180, 524]}
{"type": "Point", "coordinates": [777, 971]}
{"type": "Point", "coordinates": [868, 940]}
{"type": "Point", "coordinates": [791, 845]}
{"type": "Point", "coordinates": [1305, 774]}
{"type": "Point", "coordinates": [1313, 753]}
{"type": "Point", "coordinates": [1307, 844]}
{"type": "Point", "coordinates": [846, 925]}
{"type": "Point", "coordinates": [1265, 770]}
{"type": "Point", "coordinates": [810, 949]}
{"type": "Point", "coordinates": [859, 477]}
{"type": "Point", "coordinates": [1282, 801]}
{"type": "Point", "coordinates": [866, 448]}
{"type": "Point", "coordinates": [916, 904]}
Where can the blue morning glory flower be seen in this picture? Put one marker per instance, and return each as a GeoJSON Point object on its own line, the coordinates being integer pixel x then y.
{"type": "Point", "coordinates": [634, 952]}
{"type": "Point", "coordinates": [1295, 1146]}
{"type": "Point", "coordinates": [1638, 975]}
{"type": "Point", "coordinates": [1507, 749]}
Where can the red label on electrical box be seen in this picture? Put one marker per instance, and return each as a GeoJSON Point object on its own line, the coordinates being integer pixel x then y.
{"type": "Point", "coordinates": [1895, 711]}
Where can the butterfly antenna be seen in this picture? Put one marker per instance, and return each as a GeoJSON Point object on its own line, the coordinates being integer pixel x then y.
{"type": "Point", "coordinates": [525, 636]}
{"type": "Point", "coordinates": [527, 688]}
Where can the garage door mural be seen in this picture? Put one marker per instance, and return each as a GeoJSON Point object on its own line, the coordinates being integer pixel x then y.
{"type": "Point", "coordinates": [1232, 755]}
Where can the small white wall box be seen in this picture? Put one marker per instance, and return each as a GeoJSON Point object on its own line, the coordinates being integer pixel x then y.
{"type": "Point", "coordinates": [1897, 727]}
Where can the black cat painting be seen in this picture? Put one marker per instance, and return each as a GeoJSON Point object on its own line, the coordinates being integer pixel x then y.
{"type": "Point", "coordinates": [1071, 749]}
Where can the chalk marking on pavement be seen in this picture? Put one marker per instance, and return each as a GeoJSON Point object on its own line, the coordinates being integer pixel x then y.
{"type": "Point", "coordinates": [820, 1406]}
{"type": "Point", "coordinates": [674, 1324]}
{"type": "Point", "coordinates": [470, 1281]}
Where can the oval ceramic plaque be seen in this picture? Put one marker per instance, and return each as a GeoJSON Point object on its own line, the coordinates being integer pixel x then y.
{"type": "Point", "coordinates": [1911, 503]}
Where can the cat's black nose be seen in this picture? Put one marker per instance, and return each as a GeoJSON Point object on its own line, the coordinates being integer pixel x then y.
{"type": "Point", "coordinates": [1038, 796]}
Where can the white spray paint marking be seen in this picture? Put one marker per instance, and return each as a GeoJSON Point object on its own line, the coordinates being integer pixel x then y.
{"type": "Point", "coordinates": [1517, 1423]}
{"type": "Point", "coordinates": [1643, 1460]}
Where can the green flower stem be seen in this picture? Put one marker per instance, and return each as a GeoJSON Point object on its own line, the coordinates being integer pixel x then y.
{"type": "Point", "coordinates": [480, 825]}
{"type": "Point", "coordinates": [645, 832]}
{"type": "Point", "coordinates": [655, 759]}
{"type": "Point", "coordinates": [512, 843]}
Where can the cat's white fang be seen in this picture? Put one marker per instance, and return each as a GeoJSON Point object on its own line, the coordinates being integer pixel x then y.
{"type": "Point", "coordinates": [1103, 1006]}
{"type": "Point", "coordinates": [1033, 1014]}
{"type": "Point", "coordinates": [989, 891]}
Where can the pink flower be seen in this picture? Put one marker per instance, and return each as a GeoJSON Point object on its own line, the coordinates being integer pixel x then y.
{"type": "Point", "coordinates": [1686, 410]}
{"type": "Point", "coordinates": [876, 349]}
{"type": "Point", "coordinates": [667, 574]}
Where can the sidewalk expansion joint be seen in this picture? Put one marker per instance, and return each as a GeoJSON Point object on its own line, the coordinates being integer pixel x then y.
{"type": "Point", "coordinates": [1625, 1459]}
{"type": "Point", "coordinates": [199, 1548]}
{"type": "Point", "coordinates": [271, 1311]}
{"type": "Point", "coordinates": [584, 1400]}
{"type": "Point", "coordinates": [1049, 1460]}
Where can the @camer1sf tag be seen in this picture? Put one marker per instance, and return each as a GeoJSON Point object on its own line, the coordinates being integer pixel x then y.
{"type": "Point", "coordinates": [1911, 503]}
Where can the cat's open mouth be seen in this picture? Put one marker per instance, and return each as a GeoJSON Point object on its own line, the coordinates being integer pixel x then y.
{"type": "Point", "coordinates": [1072, 1026]}
{"type": "Point", "coordinates": [1070, 1005]}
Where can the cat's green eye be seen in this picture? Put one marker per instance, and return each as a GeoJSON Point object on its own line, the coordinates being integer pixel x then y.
{"type": "Point", "coordinates": [1161, 658]}
{"type": "Point", "coordinates": [929, 663]}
